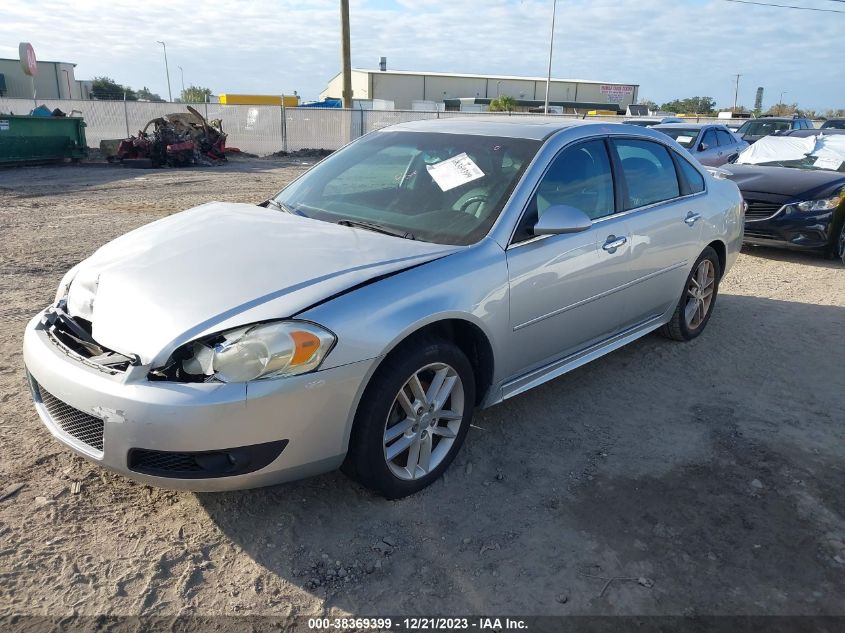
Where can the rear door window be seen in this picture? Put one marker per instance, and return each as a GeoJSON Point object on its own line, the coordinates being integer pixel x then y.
{"type": "Point", "coordinates": [648, 172]}
{"type": "Point", "coordinates": [725, 138]}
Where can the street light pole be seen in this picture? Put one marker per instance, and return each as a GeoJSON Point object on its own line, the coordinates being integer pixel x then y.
{"type": "Point", "coordinates": [345, 55]}
{"type": "Point", "coordinates": [551, 46]}
{"type": "Point", "coordinates": [182, 73]}
{"type": "Point", "coordinates": [736, 92]}
{"type": "Point", "coordinates": [167, 70]}
{"type": "Point", "coordinates": [782, 92]}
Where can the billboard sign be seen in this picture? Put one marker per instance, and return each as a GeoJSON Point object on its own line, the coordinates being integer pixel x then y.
{"type": "Point", "coordinates": [616, 93]}
{"type": "Point", "coordinates": [28, 61]}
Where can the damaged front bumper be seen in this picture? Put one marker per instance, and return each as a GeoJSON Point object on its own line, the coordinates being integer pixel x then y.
{"type": "Point", "coordinates": [198, 436]}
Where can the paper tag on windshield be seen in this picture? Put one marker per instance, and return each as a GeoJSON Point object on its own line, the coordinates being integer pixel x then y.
{"type": "Point", "coordinates": [828, 162]}
{"type": "Point", "coordinates": [454, 172]}
{"type": "Point", "coordinates": [684, 139]}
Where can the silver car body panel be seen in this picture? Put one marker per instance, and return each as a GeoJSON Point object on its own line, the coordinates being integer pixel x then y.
{"type": "Point", "coordinates": [545, 305]}
{"type": "Point", "coordinates": [222, 265]}
{"type": "Point", "coordinates": [714, 156]}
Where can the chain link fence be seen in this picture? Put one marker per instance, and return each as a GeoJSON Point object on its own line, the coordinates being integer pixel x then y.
{"type": "Point", "coordinates": [257, 129]}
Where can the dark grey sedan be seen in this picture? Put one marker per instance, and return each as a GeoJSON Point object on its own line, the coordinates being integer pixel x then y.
{"type": "Point", "coordinates": [712, 145]}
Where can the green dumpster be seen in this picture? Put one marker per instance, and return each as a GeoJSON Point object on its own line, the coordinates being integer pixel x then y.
{"type": "Point", "coordinates": [26, 139]}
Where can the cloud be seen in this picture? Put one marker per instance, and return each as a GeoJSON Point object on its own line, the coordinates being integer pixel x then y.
{"type": "Point", "coordinates": [672, 49]}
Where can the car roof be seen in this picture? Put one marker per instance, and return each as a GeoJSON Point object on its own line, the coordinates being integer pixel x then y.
{"type": "Point", "coordinates": [687, 126]}
{"type": "Point", "coordinates": [519, 126]}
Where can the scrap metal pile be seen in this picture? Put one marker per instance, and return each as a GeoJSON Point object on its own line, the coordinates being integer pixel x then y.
{"type": "Point", "coordinates": [176, 140]}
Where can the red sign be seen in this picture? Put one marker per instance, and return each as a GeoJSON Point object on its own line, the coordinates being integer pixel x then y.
{"type": "Point", "coordinates": [28, 61]}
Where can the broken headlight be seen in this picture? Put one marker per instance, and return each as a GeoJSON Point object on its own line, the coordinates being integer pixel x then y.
{"type": "Point", "coordinates": [253, 352]}
{"type": "Point", "coordinates": [64, 284]}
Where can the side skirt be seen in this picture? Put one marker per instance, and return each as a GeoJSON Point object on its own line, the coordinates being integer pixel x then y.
{"type": "Point", "coordinates": [564, 365]}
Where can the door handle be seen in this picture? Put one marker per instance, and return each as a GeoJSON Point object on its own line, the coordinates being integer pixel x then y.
{"type": "Point", "coordinates": [692, 218]}
{"type": "Point", "coordinates": [613, 243]}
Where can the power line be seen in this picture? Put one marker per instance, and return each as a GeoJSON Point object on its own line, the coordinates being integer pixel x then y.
{"type": "Point", "coordinates": [788, 6]}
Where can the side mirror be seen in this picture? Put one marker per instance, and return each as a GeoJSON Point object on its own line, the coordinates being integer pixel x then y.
{"type": "Point", "coordinates": [702, 147]}
{"type": "Point", "coordinates": [560, 218]}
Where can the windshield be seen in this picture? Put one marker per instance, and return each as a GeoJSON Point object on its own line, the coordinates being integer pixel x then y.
{"type": "Point", "coordinates": [642, 123]}
{"type": "Point", "coordinates": [838, 124]}
{"type": "Point", "coordinates": [685, 136]}
{"type": "Point", "coordinates": [763, 127]}
{"type": "Point", "coordinates": [444, 188]}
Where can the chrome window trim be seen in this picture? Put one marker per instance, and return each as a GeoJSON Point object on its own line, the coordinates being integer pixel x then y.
{"type": "Point", "coordinates": [613, 216]}
{"type": "Point", "coordinates": [627, 212]}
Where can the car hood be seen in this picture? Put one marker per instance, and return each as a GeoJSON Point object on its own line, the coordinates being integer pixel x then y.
{"type": "Point", "coordinates": [222, 265]}
{"type": "Point", "coordinates": [784, 182]}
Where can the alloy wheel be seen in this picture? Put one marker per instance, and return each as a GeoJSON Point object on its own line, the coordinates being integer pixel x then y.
{"type": "Point", "coordinates": [700, 294]}
{"type": "Point", "coordinates": [423, 421]}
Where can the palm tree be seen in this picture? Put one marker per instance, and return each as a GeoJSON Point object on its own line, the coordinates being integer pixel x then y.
{"type": "Point", "coordinates": [503, 104]}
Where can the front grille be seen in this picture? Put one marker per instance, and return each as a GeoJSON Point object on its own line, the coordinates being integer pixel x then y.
{"type": "Point", "coordinates": [226, 462]}
{"type": "Point", "coordinates": [84, 427]}
{"type": "Point", "coordinates": [144, 460]}
{"type": "Point", "coordinates": [762, 234]}
{"type": "Point", "coordinates": [759, 210]}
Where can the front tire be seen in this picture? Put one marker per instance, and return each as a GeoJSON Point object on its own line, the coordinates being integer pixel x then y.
{"type": "Point", "coordinates": [841, 245]}
{"type": "Point", "coordinates": [696, 304]}
{"type": "Point", "coordinates": [412, 419]}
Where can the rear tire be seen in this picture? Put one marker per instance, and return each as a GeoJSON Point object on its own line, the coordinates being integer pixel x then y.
{"type": "Point", "coordinates": [412, 418]}
{"type": "Point", "coordinates": [699, 296]}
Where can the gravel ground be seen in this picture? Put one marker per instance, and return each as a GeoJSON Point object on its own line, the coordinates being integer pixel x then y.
{"type": "Point", "coordinates": [711, 471]}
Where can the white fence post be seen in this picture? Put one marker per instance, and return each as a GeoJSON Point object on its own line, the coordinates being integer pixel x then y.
{"type": "Point", "coordinates": [284, 126]}
{"type": "Point", "coordinates": [126, 115]}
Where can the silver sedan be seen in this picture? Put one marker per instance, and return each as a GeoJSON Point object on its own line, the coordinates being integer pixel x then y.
{"type": "Point", "coordinates": [359, 317]}
{"type": "Point", "coordinates": [711, 145]}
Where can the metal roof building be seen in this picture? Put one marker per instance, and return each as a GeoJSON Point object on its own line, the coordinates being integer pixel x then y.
{"type": "Point", "coordinates": [403, 87]}
{"type": "Point", "coordinates": [55, 80]}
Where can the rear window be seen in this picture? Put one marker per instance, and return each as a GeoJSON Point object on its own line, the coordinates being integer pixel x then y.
{"type": "Point", "coordinates": [684, 136]}
{"type": "Point", "coordinates": [648, 170]}
{"type": "Point", "coordinates": [762, 127]}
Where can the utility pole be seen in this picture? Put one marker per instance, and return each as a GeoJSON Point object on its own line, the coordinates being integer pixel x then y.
{"type": "Point", "coordinates": [167, 70]}
{"type": "Point", "coordinates": [736, 92]}
{"type": "Point", "coordinates": [551, 47]}
{"type": "Point", "coordinates": [345, 60]}
{"type": "Point", "coordinates": [182, 73]}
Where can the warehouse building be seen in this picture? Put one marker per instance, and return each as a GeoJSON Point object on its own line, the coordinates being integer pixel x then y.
{"type": "Point", "coordinates": [55, 80]}
{"type": "Point", "coordinates": [404, 88]}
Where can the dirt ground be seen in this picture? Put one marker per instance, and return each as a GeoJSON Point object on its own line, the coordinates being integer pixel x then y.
{"type": "Point", "coordinates": [714, 471]}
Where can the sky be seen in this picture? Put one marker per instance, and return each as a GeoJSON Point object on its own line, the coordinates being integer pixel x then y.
{"type": "Point", "coordinates": [671, 48]}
